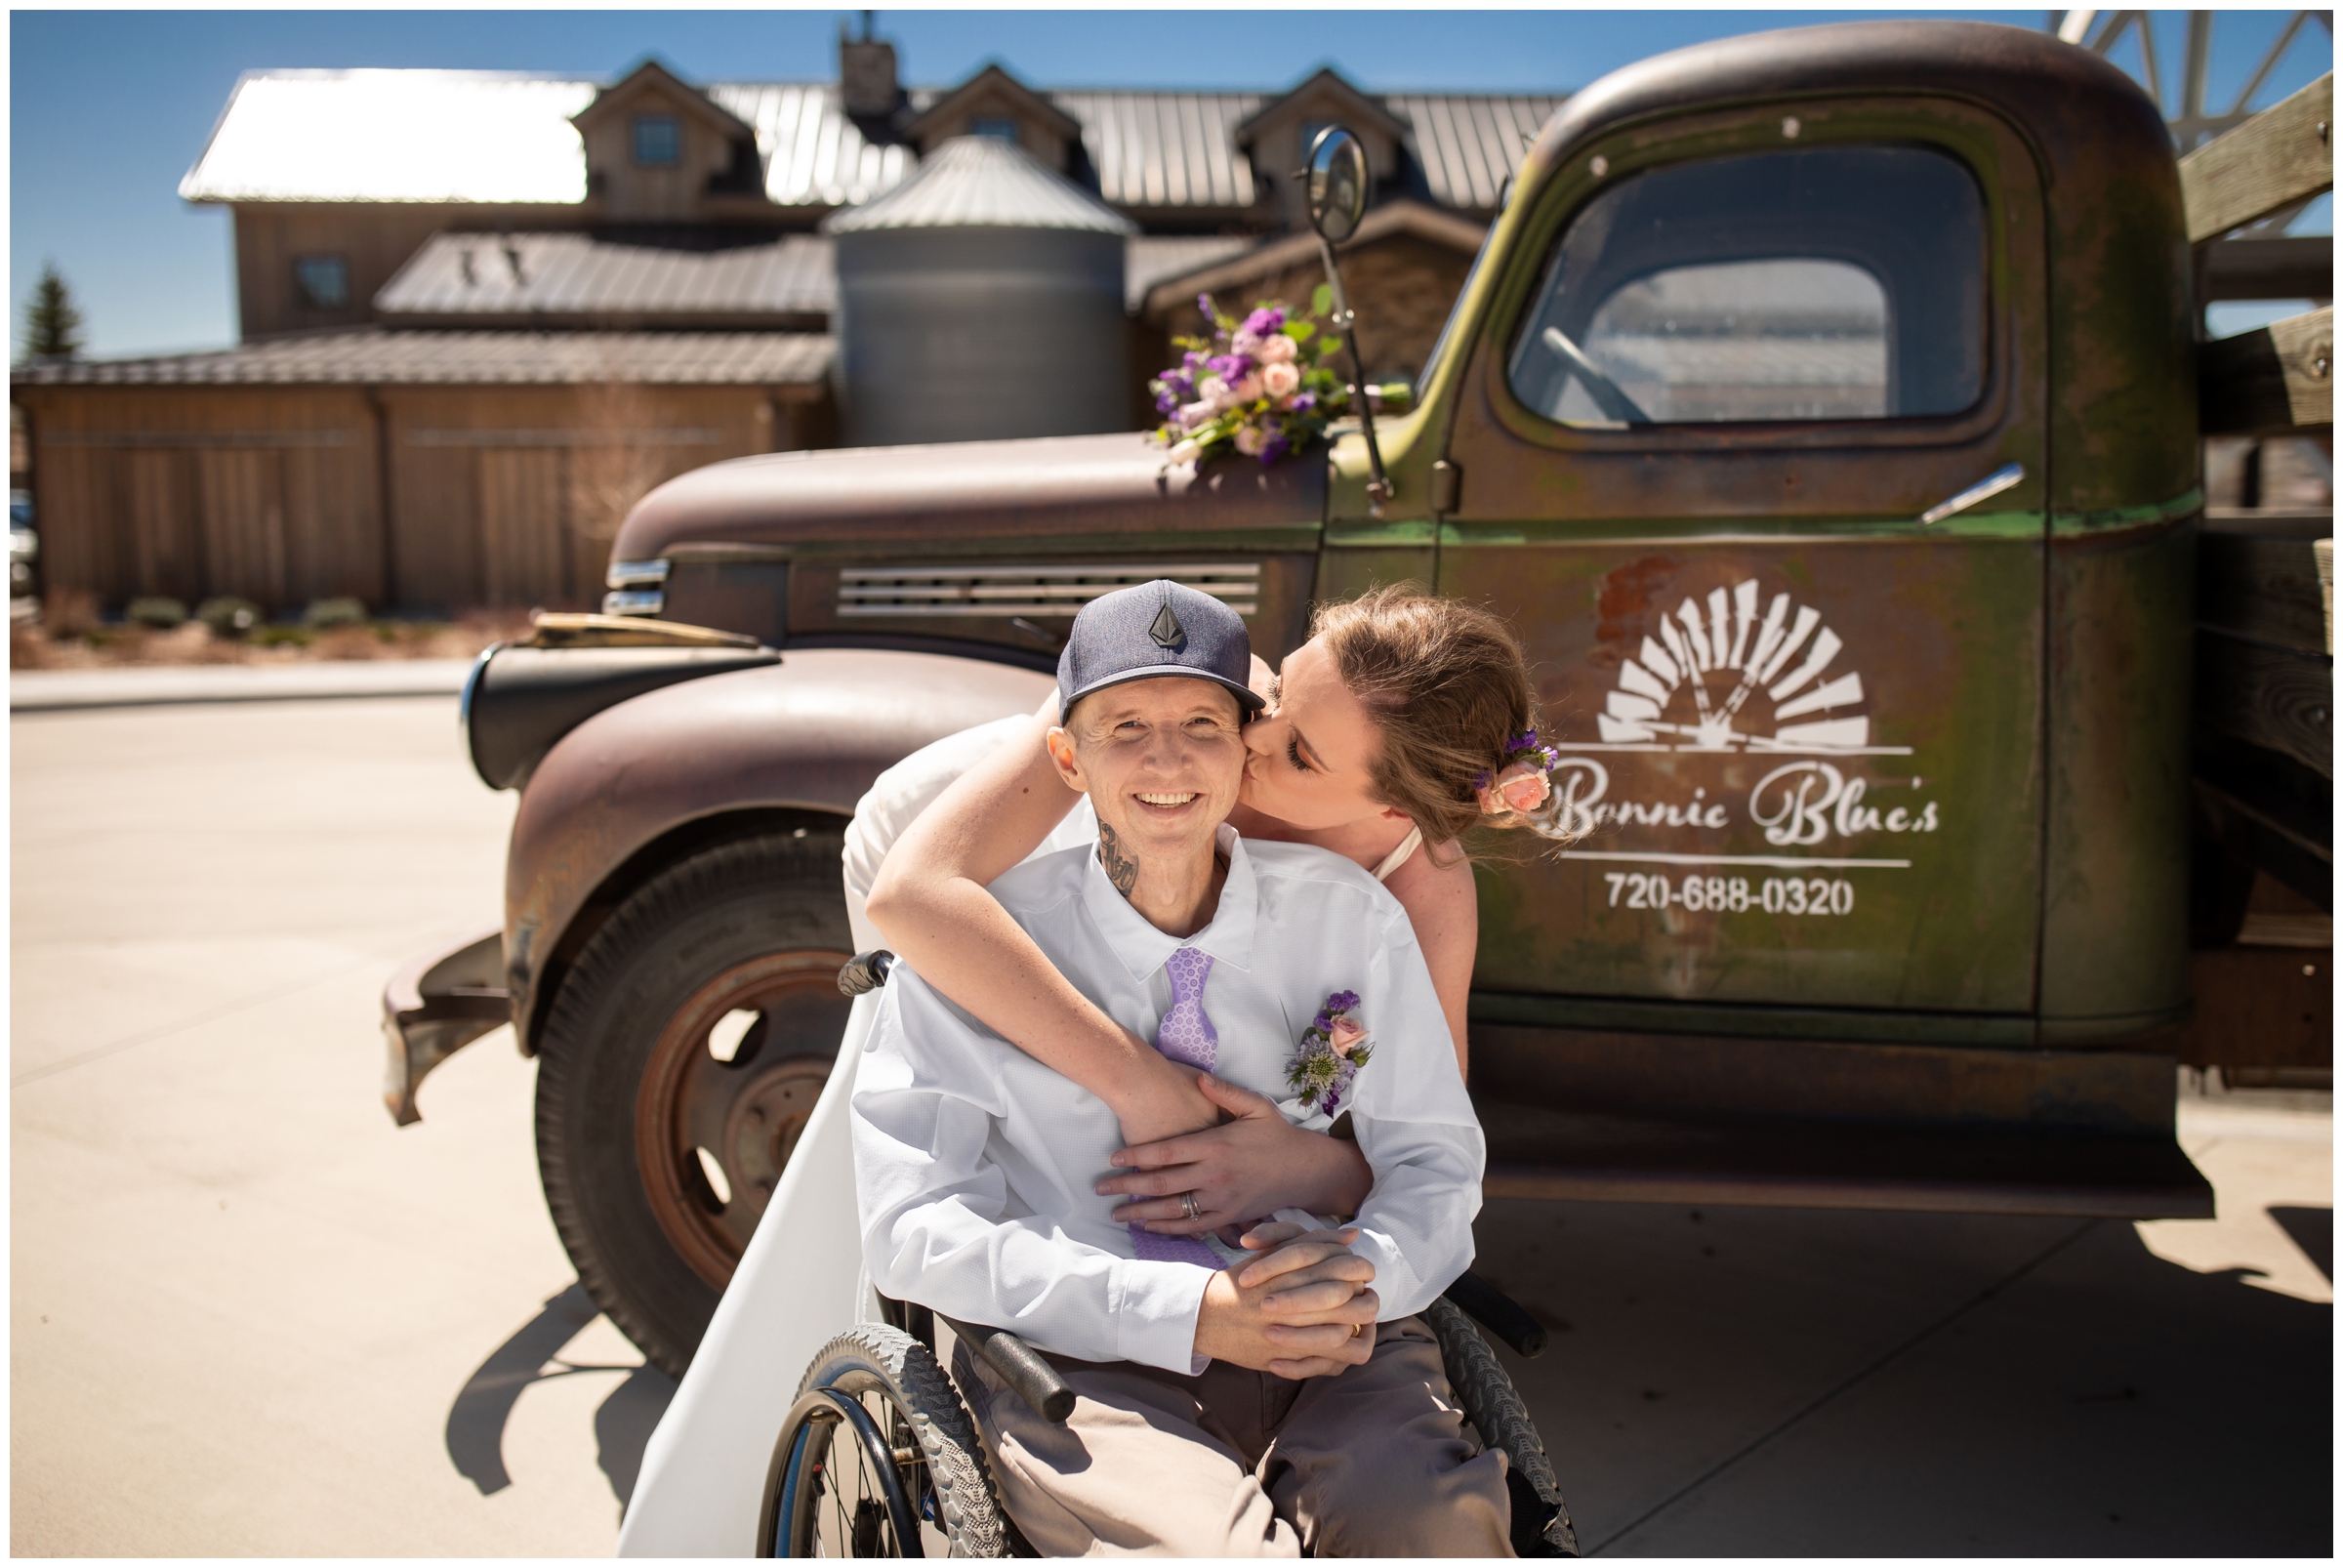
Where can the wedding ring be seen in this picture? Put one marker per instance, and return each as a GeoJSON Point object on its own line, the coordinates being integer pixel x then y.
{"type": "Point", "coordinates": [1189, 1207]}
{"type": "Point", "coordinates": [1354, 1331]}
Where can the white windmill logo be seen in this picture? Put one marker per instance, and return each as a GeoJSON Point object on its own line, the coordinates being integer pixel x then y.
{"type": "Point", "coordinates": [1751, 654]}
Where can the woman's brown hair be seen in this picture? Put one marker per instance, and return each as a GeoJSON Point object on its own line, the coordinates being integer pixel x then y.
{"type": "Point", "coordinates": [1448, 688]}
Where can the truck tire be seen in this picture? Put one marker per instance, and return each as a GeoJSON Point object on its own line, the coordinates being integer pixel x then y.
{"type": "Point", "coordinates": [681, 1058]}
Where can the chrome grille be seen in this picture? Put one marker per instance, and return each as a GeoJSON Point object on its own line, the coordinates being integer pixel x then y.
{"type": "Point", "coordinates": [1028, 591]}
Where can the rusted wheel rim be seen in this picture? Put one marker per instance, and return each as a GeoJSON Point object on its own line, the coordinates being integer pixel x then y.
{"type": "Point", "coordinates": [743, 1116]}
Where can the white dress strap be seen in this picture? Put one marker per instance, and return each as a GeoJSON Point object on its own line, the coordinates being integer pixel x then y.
{"type": "Point", "coordinates": [1399, 856]}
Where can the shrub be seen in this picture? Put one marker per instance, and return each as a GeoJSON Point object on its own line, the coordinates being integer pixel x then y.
{"type": "Point", "coordinates": [324, 614]}
{"type": "Point", "coordinates": [270, 637]}
{"type": "Point", "coordinates": [163, 615]}
{"type": "Point", "coordinates": [228, 616]}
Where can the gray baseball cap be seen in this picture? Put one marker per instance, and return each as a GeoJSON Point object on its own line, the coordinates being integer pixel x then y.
{"type": "Point", "coordinates": [1156, 628]}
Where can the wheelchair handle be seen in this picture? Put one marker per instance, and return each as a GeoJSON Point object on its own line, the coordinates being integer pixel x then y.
{"type": "Point", "coordinates": [1022, 1367]}
{"type": "Point", "coordinates": [1499, 1314]}
{"type": "Point", "coordinates": [865, 971]}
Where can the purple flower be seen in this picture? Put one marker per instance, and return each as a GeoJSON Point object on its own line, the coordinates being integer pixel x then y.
{"type": "Point", "coordinates": [1232, 368]}
{"type": "Point", "coordinates": [1342, 1001]}
{"type": "Point", "coordinates": [1262, 322]}
{"type": "Point", "coordinates": [1304, 402]}
{"type": "Point", "coordinates": [1204, 302]}
{"type": "Point", "coordinates": [1273, 448]}
{"type": "Point", "coordinates": [1166, 401]}
{"type": "Point", "coordinates": [1191, 359]}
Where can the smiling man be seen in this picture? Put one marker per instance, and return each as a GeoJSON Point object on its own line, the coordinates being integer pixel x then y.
{"type": "Point", "coordinates": [1229, 1402]}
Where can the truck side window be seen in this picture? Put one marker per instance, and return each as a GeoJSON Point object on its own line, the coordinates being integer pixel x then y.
{"type": "Point", "coordinates": [1831, 283]}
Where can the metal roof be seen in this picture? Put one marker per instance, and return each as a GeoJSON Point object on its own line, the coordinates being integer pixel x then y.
{"type": "Point", "coordinates": [582, 274]}
{"type": "Point", "coordinates": [490, 137]}
{"type": "Point", "coordinates": [980, 182]}
{"type": "Point", "coordinates": [585, 275]}
{"type": "Point", "coordinates": [814, 156]}
{"type": "Point", "coordinates": [372, 356]}
{"type": "Point", "coordinates": [394, 135]}
{"type": "Point", "coordinates": [1166, 150]}
{"type": "Point", "coordinates": [1468, 143]}
{"type": "Point", "coordinates": [1152, 259]}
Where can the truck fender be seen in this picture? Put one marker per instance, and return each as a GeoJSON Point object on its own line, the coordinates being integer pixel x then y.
{"type": "Point", "coordinates": [658, 777]}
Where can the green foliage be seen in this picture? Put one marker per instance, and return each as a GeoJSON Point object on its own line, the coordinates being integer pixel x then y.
{"type": "Point", "coordinates": [162, 614]}
{"type": "Point", "coordinates": [228, 616]}
{"type": "Point", "coordinates": [1322, 299]}
{"type": "Point", "coordinates": [272, 637]}
{"type": "Point", "coordinates": [324, 614]}
{"type": "Point", "coordinates": [52, 323]}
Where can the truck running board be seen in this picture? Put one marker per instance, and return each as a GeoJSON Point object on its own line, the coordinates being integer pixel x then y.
{"type": "Point", "coordinates": [1784, 1163]}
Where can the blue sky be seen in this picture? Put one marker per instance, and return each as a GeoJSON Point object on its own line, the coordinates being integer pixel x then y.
{"type": "Point", "coordinates": [108, 108]}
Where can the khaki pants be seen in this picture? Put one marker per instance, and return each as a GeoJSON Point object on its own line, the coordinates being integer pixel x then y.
{"type": "Point", "coordinates": [1376, 1462]}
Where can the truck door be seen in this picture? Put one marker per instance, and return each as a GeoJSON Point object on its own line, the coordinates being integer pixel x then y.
{"type": "Point", "coordinates": [1735, 360]}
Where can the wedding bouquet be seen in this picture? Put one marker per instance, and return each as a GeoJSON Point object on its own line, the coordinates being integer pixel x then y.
{"type": "Point", "coordinates": [1256, 384]}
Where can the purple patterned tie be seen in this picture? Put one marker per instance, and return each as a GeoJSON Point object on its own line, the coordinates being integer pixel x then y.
{"type": "Point", "coordinates": [1186, 1034]}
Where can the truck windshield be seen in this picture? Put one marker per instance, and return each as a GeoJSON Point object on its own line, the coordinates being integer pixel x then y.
{"type": "Point", "coordinates": [1835, 283]}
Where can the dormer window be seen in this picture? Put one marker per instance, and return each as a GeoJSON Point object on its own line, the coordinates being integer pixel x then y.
{"type": "Point", "coordinates": [322, 281]}
{"type": "Point", "coordinates": [999, 127]}
{"type": "Point", "coordinates": [658, 140]}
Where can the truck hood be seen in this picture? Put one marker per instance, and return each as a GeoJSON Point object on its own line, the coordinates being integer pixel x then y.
{"type": "Point", "coordinates": [1057, 488]}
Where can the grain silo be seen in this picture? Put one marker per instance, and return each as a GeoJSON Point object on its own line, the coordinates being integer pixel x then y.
{"type": "Point", "coordinates": [980, 299]}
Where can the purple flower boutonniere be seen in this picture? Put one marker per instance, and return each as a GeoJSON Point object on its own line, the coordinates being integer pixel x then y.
{"type": "Point", "coordinates": [1333, 1049]}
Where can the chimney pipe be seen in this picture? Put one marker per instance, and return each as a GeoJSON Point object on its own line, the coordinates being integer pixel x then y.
{"type": "Point", "coordinates": [866, 74]}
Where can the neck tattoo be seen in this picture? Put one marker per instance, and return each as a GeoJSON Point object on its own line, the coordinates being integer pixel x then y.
{"type": "Point", "coordinates": [1120, 869]}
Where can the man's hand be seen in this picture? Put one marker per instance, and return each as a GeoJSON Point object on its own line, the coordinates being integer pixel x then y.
{"type": "Point", "coordinates": [1309, 1310]}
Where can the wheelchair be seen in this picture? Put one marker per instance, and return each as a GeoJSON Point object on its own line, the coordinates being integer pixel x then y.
{"type": "Point", "coordinates": [879, 1457]}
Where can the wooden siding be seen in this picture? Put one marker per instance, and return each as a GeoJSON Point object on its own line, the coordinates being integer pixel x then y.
{"type": "Point", "coordinates": [498, 496]}
{"type": "Point", "coordinates": [271, 494]}
{"type": "Point", "coordinates": [375, 237]}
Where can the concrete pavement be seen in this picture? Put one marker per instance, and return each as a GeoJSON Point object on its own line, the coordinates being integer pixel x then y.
{"type": "Point", "coordinates": [250, 1316]}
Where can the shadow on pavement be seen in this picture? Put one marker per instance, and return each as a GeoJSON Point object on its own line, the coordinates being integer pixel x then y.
{"type": "Point", "coordinates": [2314, 1231]}
{"type": "Point", "coordinates": [622, 1424]}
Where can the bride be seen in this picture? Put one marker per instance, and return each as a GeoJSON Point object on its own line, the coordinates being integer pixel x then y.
{"type": "Point", "coordinates": [1403, 720]}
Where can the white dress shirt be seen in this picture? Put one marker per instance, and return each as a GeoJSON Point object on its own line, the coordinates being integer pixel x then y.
{"type": "Point", "coordinates": [975, 1163]}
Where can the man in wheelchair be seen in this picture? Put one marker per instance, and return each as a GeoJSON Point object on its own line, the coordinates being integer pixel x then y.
{"type": "Point", "coordinates": [1265, 1398]}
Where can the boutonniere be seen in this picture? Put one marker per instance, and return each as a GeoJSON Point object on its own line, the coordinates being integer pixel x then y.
{"type": "Point", "coordinates": [1333, 1049]}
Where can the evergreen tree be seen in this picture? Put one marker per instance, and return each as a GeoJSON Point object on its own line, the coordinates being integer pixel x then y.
{"type": "Point", "coordinates": [52, 324]}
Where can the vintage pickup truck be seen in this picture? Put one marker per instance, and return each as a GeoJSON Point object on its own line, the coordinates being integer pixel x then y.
{"type": "Point", "coordinates": [1824, 409]}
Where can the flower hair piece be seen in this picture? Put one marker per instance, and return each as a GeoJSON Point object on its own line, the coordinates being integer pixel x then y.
{"type": "Point", "coordinates": [1520, 785]}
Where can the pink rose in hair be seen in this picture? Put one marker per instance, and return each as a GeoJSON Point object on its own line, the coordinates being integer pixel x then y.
{"type": "Point", "coordinates": [1520, 788]}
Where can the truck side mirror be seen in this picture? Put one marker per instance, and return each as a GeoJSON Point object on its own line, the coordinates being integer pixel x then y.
{"type": "Point", "coordinates": [1336, 171]}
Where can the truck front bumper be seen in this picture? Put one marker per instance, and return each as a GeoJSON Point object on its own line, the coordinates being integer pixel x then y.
{"type": "Point", "coordinates": [435, 1005]}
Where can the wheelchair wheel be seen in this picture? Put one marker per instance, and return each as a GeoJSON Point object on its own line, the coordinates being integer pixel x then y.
{"type": "Point", "coordinates": [1541, 1521]}
{"type": "Point", "coordinates": [880, 1458]}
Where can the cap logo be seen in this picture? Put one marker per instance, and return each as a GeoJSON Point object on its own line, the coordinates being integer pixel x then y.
{"type": "Point", "coordinates": [1166, 629]}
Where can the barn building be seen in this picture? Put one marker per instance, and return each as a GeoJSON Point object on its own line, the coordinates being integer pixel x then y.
{"type": "Point", "coordinates": [482, 313]}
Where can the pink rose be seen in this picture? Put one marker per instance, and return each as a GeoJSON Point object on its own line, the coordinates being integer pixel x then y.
{"type": "Point", "coordinates": [1246, 390]}
{"type": "Point", "coordinates": [1212, 389]}
{"type": "Point", "coordinates": [1248, 440]}
{"type": "Point", "coordinates": [1346, 1033]}
{"type": "Point", "coordinates": [1520, 788]}
{"type": "Point", "coordinates": [1279, 379]}
{"type": "Point", "coordinates": [1245, 342]}
{"type": "Point", "coordinates": [1277, 348]}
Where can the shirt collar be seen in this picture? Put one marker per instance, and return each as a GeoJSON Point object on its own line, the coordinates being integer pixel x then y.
{"type": "Point", "coordinates": [1144, 949]}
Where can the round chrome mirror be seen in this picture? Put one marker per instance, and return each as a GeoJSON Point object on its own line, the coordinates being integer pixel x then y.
{"type": "Point", "coordinates": [1338, 180]}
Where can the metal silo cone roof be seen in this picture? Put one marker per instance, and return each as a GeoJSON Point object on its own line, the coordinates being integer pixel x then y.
{"type": "Point", "coordinates": [980, 182]}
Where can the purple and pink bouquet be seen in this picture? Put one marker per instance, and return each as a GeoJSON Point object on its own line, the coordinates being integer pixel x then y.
{"type": "Point", "coordinates": [1255, 385]}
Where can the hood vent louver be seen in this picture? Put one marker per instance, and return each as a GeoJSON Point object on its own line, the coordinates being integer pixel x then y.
{"type": "Point", "coordinates": [1028, 592]}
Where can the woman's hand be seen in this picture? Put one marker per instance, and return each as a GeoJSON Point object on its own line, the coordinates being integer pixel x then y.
{"type": "Point", "coordinates": [1254, 1164]}
{"type": "Point", "coordinates": [1160, 1102]}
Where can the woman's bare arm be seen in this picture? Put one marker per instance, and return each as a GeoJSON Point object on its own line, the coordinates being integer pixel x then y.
{"type": "Point", "coordinates": [1444, 906]}
{"type": "Point", "coordinates": [931, 901]}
